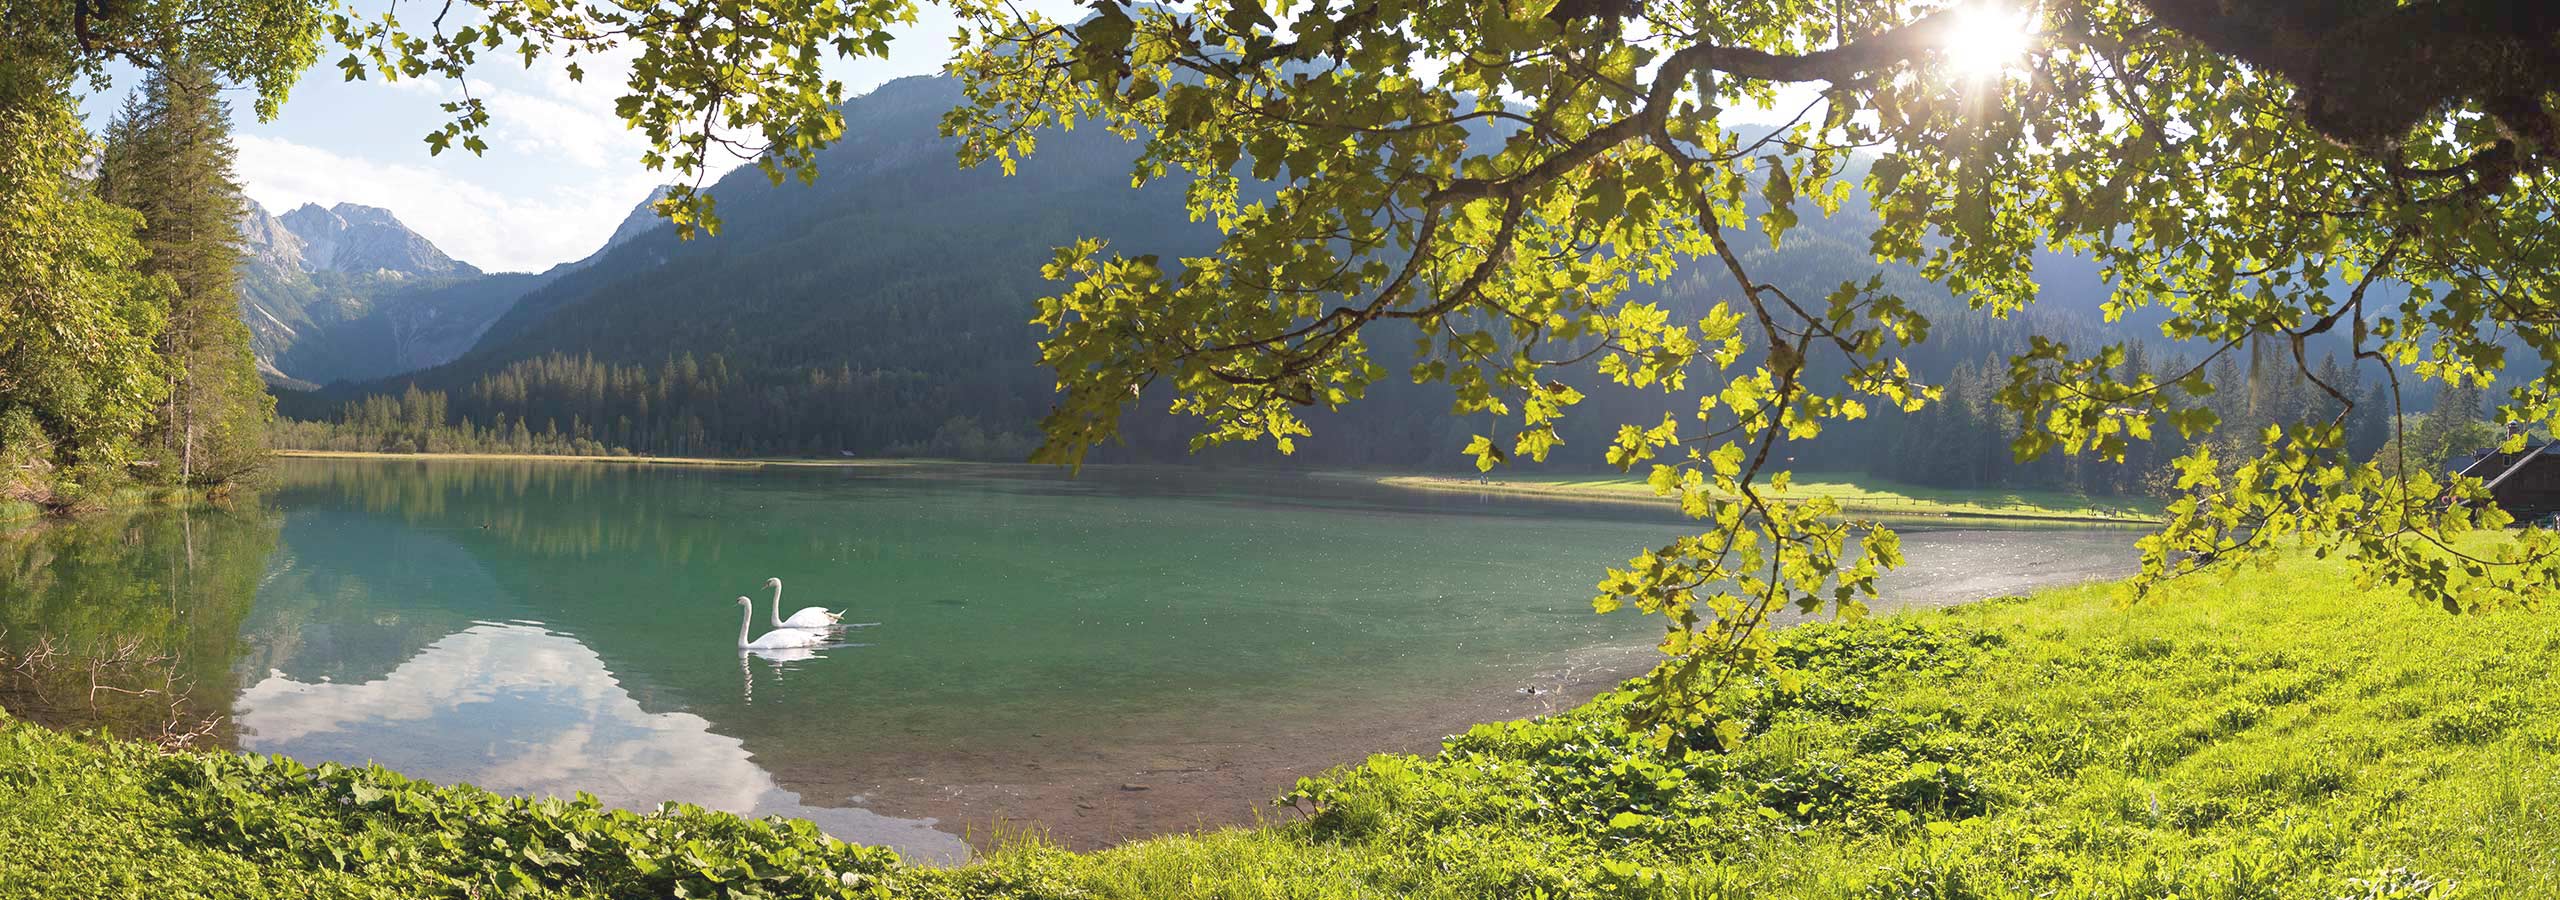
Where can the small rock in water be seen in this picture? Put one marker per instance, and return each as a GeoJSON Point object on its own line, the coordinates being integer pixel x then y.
{"type": "Point", "coordinates": [1133, 786]}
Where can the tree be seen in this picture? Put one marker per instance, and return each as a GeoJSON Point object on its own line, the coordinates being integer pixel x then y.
{"type": "Point", "coordinates": [79, 375]}
{"type": "Point", "coordinates": [1488, 182]}
{"type": "Point", "coordinates": [75, 314]}
{"type": "Point", "coordinates": [78, 378]}
{"type": "Point", "coordinates": [169, 157]}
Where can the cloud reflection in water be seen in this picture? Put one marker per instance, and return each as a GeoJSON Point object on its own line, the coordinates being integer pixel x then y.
{"type": "Point", "coordinates": [520, 710]}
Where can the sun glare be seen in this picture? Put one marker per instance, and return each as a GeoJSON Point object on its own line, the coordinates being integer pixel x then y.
{"type": "Point", "coordinates": [1985, 40]}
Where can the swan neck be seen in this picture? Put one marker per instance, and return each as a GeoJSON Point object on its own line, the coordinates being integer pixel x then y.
{"type": "Point", "coordinates": [746, 618]}
{"type": "Point", "coordinates": [777, 603]}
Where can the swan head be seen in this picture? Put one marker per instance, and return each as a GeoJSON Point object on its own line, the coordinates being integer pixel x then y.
{"type": "Point", "coordinates": [773, 582]}
{"type": "Point", "coordinates": [742, 601]}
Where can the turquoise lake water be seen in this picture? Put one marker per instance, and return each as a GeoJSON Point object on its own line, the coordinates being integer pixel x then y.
{"type": "Point", "coordinates": [1127, 652]}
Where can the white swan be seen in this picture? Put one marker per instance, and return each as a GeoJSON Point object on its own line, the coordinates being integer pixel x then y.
{"type": "Point", "coordinates": [775, 639]}
{"type": "Point", "coordinates": [807, 617]}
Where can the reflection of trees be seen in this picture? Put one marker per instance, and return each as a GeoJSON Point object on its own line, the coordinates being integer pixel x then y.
{"type": "Point", "coordinates": [127, 603]}
{"type": "Point", "coordinates": [542, 508]}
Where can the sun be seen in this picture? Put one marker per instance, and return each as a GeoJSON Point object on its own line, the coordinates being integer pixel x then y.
{"type": "Point", "coordinates": [1986, 39]}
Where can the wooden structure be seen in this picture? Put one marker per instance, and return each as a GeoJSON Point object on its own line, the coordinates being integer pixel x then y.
{"type": "Point", "coordinates": [2526, 483]}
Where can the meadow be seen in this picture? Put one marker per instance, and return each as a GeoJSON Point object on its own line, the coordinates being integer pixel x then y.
{"type": "Point", "coordinates": [2266, 734]}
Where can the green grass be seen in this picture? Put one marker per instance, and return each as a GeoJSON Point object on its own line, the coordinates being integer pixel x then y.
{"type": "Point", "coordinates": [1860, 495]}
{"type": "Point", "coordinates": [2276, 735]}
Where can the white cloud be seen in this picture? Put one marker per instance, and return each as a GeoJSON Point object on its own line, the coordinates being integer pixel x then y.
{"type": "Point", "coordinates": [564, 724]}
{"type": "Point", "coordinates": [545, 110]}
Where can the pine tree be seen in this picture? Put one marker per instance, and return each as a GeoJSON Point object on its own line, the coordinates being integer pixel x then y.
{"type": "Point", "coordinates": [2336, 378]}
{"type": "Point", "coordinates": [2371, 426]}
{"type": "Point", "coordinates": [2230, 398]}
{"type": "Point", "coordinates": [169, 157]}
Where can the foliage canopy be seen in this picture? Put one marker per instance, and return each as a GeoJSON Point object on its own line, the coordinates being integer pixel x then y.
{"type": "Point", "coordinates": [1497, 176]}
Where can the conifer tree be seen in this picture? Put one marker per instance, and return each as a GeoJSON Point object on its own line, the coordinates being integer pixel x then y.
{"type": "Point", "coordinates": [169, 156]}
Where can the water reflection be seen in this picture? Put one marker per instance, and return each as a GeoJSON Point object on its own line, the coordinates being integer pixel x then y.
{"type": "Point", "coordinates": [779, 662]}
{"type": "Point", "coordinates": [164, 592]}
{"type": "Point", "coordinates": [517, 709]}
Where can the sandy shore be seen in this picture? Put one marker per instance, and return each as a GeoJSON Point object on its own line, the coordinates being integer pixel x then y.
{"type": "Point", "coordinates": [1632, 493]}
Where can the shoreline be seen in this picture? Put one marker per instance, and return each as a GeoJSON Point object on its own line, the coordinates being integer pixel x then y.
{"type": "Point", "coordinates": [865, 463]}
{"type": "Point", "coordinates": [1098, 797]}
{"type": "Point", "coordinates": [16, 514]}
{"type": "Point", "coordinates": [1628, 493]}
{"type": "Point", "coordinates": [1633, 493]}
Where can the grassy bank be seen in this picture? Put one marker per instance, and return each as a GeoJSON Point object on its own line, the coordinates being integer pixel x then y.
{"type": "Point", "coordinates": [2275, 735]}
{"type": "Point", "coordinates": [1861, 496]}
{"type": "Point", "coordinates": [14, 512]}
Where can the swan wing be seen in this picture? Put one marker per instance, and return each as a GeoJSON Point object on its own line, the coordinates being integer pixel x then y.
{"type": "Point", "coordinates": [809, 617]}
{"type": "Point", "coordinates": [785, 637]}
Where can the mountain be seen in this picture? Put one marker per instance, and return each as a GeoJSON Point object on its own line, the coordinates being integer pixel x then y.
{"type": "Point", "coordinates": [348, 292]}
{"type": "Point", "coordinates": [361, 240]}
{"type": "Point", "coordinates": [642, 219]}
{"type": "Point", "coordinates": [887, 309]}
{"type": "Point", "coordinates": [886, 305]}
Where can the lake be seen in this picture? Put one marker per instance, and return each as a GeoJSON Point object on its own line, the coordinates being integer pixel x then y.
{"type": "Point", "coordinates": [1124, 653]}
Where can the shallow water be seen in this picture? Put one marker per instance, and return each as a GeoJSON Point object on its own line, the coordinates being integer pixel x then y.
{"type": "Point", "coordinates": [1130, 652]}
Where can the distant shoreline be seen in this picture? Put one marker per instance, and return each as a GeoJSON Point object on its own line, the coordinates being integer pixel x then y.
{"type": "Point", "coordinates": [866, 463]}
{"type": "Point", "coordinates": [1634, 492]}
{"type": "Point", "coordinates": [1886, 505]}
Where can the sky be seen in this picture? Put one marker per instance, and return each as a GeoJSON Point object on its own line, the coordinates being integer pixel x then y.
{"type": "Point", "coordinates": [560, 173]}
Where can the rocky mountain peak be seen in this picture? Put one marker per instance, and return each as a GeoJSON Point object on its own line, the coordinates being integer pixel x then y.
{"type": "Point", "coordinates": [264, 239]}
{"type": "Point", "coordinates": [364, 240]}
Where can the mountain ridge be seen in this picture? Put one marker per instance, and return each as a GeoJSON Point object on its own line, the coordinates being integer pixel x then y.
{"type": "Point", "coordinates": [349, 292]}
{"type": "Point", "coordinates": [888, 308]}
{"type": "Point", "coordinates": [362, 239]}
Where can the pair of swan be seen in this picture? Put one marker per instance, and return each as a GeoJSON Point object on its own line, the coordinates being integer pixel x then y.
{"type": "Point", "coordinates": [806, 628]}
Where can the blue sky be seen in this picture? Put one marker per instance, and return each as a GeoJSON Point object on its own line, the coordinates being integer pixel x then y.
{"type": "Point", "coordinates": [560, 173]}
